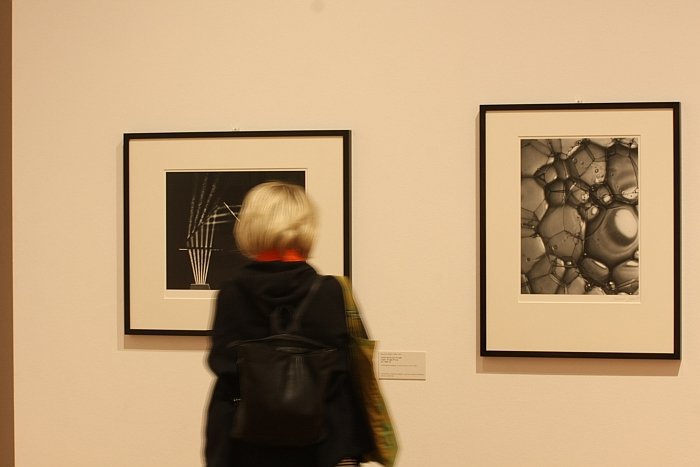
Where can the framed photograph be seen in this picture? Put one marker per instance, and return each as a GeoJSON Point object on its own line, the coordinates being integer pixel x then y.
{"type": "Point", "coordinates": [580, 230]}
{"type": "Point", "coordinates": [182, 196]}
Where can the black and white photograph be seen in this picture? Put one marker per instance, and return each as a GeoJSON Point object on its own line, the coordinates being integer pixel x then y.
{"type": "Point", "coordinates": [579, 230]}
{"type": "Point", "coordinates": [580, 221]}
{"type": "Point", "coordinates": [182, 195]}
{"type": "Point", "coordinates": [201, 211]}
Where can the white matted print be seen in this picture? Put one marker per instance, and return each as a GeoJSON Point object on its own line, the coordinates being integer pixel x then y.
{"type": "Point", "coordinates": [182, 194]}
{"type": "Point", "coordinates": [579, 230]}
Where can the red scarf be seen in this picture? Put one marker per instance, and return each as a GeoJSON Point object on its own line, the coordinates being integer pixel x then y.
{"type": "Point", "coordinates": [287, 256]}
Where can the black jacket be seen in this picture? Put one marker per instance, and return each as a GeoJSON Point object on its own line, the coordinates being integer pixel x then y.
{"type": "Point", "coordinates": [242, 312]}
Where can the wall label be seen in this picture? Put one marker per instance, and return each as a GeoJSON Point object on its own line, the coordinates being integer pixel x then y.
{"type": "Point", "coordinates": [401, 365]}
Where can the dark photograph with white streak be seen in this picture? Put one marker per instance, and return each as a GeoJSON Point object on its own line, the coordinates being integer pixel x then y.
{"type": "Point", "coordinates": [201, 211]}
{"type": "Point", "coordinates": [580, 216]}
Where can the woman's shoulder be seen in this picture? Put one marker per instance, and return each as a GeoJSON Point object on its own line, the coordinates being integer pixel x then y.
{"type": "Point", "coordinates": [332, 289]}
{"type": "Point", "coordinates": [231, 287]}
{"type": "Point", "coordinates": [330, 282]}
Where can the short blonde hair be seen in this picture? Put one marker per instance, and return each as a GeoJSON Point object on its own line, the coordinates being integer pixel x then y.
{"type": "Point", "coordinates": [276, 216]}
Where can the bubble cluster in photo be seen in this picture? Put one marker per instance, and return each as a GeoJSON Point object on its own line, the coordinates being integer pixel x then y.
{"type": "Point", "coordinates": [580, 216]}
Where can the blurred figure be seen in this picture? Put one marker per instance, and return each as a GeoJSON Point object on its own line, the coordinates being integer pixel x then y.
{"type": "Point", "coordinates": [276, 230]}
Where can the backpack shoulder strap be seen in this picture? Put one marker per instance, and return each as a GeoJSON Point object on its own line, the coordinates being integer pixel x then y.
{"type": "Point", "coordinates": [303, 305]}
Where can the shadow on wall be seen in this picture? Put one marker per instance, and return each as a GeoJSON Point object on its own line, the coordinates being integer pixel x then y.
{"type": "Point", "coordinates": [577, 366]}
{"type": "Point", "coordinates": [137, 342]}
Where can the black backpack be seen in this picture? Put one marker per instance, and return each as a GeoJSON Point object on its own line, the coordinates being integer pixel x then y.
{"type": "Point", "coordinates": [283, 380]}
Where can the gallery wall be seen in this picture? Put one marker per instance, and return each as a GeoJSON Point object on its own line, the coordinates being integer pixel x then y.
{"type": "Point", "coordinates": [6, 380]}
{"type": "Point", "coordinates": [407, 78]}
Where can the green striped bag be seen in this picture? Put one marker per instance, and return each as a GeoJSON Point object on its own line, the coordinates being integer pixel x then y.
{"type": "Point", "coordinates": [365, 381]}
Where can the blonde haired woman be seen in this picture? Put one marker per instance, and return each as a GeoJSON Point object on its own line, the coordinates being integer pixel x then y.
{"type": "Point", "coordinates": [276, 230]}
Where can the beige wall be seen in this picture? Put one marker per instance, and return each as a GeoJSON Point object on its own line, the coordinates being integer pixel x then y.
{"type": "Point", "coordinates": [407, 78]}
{"type": "Point", "coordinates": [6, 380]}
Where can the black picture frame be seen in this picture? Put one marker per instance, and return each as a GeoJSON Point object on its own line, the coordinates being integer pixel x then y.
{"type": "Point", "coordinates": [181, 195]}
{"type": "Point", "coordinates": [600, 258]}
